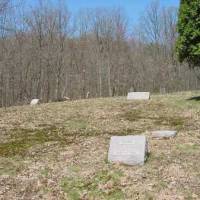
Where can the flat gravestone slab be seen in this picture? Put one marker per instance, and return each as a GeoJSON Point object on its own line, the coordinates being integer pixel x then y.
{"type": "Point", "coordinates": [163, 134]}
{"type": "Point", "coordinates": [130, 150]}
{"type": "Point", "coordinates": [138, 96]}
{"type": "Point", "coordinates": [34, 102]}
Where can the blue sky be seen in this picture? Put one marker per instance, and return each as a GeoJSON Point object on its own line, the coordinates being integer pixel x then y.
{"type": "Point", "coordinates": [133, 8]}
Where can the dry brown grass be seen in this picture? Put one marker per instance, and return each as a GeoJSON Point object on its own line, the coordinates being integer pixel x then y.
{"type": "Point", "coordinates": [59, 150]}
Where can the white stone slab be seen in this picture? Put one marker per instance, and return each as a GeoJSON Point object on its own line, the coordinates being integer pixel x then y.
{"type": "Point", "coordinates": [163, 134]}
{"type": "Point", "coordinates": [138, 96]}
{"type": "Point", "coordinates": [34, 102]}
{"type": "Point", "coordinates": [130, 150]}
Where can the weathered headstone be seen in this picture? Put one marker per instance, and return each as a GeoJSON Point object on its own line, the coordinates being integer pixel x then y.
{"type": "Point", "coordinates": [163, 134]}
{"type": "Point", "coordinates": [138, 96]}
{"type": "Point", "coordinates": [130, 150]}
{"type": "Point", "coordinates": [34, 102]}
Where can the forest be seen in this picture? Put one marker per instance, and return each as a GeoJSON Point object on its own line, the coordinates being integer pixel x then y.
{"type": "Point", "coordinates": [48, 52]}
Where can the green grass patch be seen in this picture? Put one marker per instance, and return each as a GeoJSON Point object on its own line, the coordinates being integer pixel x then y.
{"type": "Point", "coordinates": [172, 121]}
{"type": "Point", "coordinates": [22, 139]}
{"type": "Point", "coordinates": [104, 185]}
{"type": "Point", "coordinates": [79, 124]}
{"type": "Point", "coordinates": [133, 115]}
{"type": "Point", "coordinates": [10, 166]}
{"type": "Point", "coordinates": [46, 172]}
{"type": "Point", "coordinates": [188, 148]}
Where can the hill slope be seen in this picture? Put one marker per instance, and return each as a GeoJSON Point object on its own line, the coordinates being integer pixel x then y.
{"type": "Point", "coordinates": [59, 150]}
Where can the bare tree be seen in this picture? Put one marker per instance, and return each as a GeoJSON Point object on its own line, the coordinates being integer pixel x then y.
{"type": "Point", "coordinates": [49, 54]}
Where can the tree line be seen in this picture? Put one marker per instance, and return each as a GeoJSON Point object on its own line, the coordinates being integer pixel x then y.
{"type": "Point", "coordinates": [47, 52]}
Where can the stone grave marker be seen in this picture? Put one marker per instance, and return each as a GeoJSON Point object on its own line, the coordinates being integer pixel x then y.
{"type": "Point", "coordinates": [130, 150]}
{"type": "Point", "coordinates": [34, 102]}
{"type": "Point", "coordinates": [163, 134]}
{"type": "Point", "coordinates": [138, 96]}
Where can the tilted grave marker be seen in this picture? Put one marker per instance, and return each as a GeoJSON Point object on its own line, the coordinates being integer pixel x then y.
{"type": "Point", "coordinates": [163, 134]}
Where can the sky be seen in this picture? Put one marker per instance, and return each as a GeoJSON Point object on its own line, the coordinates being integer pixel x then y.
{"type": "Point", "coordinates": [133, 8]}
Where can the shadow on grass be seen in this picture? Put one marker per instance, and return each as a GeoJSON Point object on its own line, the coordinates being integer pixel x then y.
{"type": "Point", "coordinates": [197, 98]}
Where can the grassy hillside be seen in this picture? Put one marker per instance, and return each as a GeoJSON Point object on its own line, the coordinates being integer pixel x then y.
{"type": "Point", "coordinates": [59, 150]}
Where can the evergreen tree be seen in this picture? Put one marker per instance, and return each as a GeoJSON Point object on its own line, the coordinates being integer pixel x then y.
{"type": "Point", "coordinates": [188, 42]}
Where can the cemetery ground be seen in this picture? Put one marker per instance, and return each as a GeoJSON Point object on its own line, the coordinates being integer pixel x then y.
{"type": "Point", "coordinates": [59, 150]}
